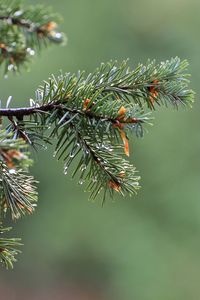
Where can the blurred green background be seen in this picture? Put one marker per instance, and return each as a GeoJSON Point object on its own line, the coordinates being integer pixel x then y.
{"type": "Point", "coordinates": [146, 247]}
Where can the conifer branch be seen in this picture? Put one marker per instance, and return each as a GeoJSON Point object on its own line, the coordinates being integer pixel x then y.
{"type": "Point", "coordinates": [17, 193]}
{"type": "Point", "coordinates": [25, 30]}
{"type": "Point", "coordinates": [87, 113]}
{"type": "Point", "coordinates": [8, 249]}
{"type": "Point", "coordinates": [89, 117]}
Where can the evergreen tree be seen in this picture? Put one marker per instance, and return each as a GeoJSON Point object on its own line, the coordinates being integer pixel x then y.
{"type": "Point", "coordinates": [89, 116]}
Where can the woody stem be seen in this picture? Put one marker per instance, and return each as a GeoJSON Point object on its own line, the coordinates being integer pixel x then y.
{"type": "Point", "coordinates": [19, 113]}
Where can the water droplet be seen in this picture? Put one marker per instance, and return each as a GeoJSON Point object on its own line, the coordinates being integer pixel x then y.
{"type": "Point", "coordinates": [18, 13]}
{"type": "Point", "coordinates": [81, 181]}
{"type": "Point", "coordinates": [58, 35]}
{"type": "Point", "coordinates": [17, 215]}
{"type": "Point", "coordinates": [30, 51]}
{"type": "Point", "coordinates": [11, 67]}
{"type": "Point", "coordinates": [100, 190]}
{"type": "Point", "coordinates": [72, 154]}
{"type": "Point", "coordinates": [83, 167]}
{"type": "Point", "coordinates": [12, 171]}
{"type": "Point", "coordinates": [54, 154]}
{"type": "Point", "coordinates": [66, 168]}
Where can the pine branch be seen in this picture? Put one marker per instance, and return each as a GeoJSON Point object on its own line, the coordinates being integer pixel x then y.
{"type": "Point", "coordinates": [100, 166]}
{"type": "Point", "coordinates": [90, 117]}
{"type": "Point", "coordinates": [24, 30]}
{"type": "Point", "coordinates": [17, 192]}
{"type": "Point", "coordinates": [8, 249]}
{"type": "Point", "coordinates": [87, 113]}
{"type": "Point", "coordinates": [151, 84]}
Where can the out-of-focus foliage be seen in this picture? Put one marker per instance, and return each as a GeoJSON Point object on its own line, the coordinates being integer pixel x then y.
{"type": "Point", "coordinates": [144, 248]}
{"type": "Point", "coordinates": [24, 29]}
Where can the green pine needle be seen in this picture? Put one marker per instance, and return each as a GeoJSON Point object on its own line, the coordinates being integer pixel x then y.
{"type": "Point", "coordinates": [8, 249]}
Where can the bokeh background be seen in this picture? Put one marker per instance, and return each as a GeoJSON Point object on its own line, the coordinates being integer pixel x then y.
{"type": "Point", "coordinates": [143, 248]}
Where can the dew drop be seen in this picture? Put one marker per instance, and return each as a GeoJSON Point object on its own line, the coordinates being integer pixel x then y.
{"type": "Point", "coordinates": [72, 154]}
{"type": "Point", "coordinates": [12, 171]}
{"type": "Point", "coordinates": [11, 67]}
{"type": "Point", "coordinates": [17, 215]}
{"type": "Point", "coordinates": [99, 191]}
{"type": "Point", "coordinates": [58, 35]}
{"type": "Point", "coordinates": [30, 51]}
{"type": "Point", "coordinates": [83, 167]}
{"type": "Point", "coordinates": [18, 13]}
{"type": "Point", "coordinates": [94, 179]}
{"type": "Point", "coordinates": [66, 169]}
{"type": "Point", "coordinates": [81, 181]}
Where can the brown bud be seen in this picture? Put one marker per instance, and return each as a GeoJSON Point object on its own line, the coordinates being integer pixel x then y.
{"type": "Point", "coordinates": [86, 102]}
{"type": "Point", "coordinates": [49, 26]}
{"type": "Point", "coordinates": [114, 185]}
